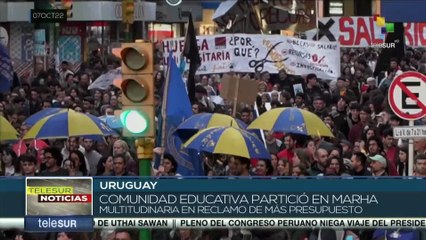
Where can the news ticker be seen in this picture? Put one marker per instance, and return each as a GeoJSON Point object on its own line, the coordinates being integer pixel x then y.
{"type": "Point", "coordinates": [51, 204]}
{"type": "Point", "coordinates": [244, 223]}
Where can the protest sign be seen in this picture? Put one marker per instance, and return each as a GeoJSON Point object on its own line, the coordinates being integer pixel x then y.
{"type": "Point", "coordinates": [362, 32]}
{"type": "Point", "coordinates": [260, 53]}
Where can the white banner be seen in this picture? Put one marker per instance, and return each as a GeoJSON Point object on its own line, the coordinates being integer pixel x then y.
{"type": "Point", "coordinates": [262, 223]}
{"type": "Point", "coordinates": [167, 223]}
{"type": "Point", "coordinates": [259, 53]}
{"type": "Point", "coordinates": [362, 32]}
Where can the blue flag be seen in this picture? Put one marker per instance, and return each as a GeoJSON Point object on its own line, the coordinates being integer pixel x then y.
{"type": "Point", "coordinates": [6, 70]}
{"type": "Point", "coordinates": [178, 108]}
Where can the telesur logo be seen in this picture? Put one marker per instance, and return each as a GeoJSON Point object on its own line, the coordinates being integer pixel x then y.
{"type": "Point", "coordinates": [385, 28]}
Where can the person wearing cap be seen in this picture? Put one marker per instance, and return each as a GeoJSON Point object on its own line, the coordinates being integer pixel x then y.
{"type": "Point", "coordinates": [378, 165]}
{"type": "Point", "coordinates": [367, 90]}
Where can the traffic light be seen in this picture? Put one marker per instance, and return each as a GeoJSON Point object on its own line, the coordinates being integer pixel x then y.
{"type": "Point", "coordinates": [137, 87]}
{"type": "Point", "coordinates": [128, 11]}
{"type": "Point", "coordinates": [67, 5]}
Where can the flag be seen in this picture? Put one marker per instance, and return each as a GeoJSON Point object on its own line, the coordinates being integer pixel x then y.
{"type": "Point", "coordinates": [258, 132]}
{"type": "Point", "coordinates": [176, 108]}
{"type": "Point", "coordinates": [6, 70]}
{"type": "Point", "coordinates": [190, 51]}
{"type": "Point", "coordinates": [398, 52]}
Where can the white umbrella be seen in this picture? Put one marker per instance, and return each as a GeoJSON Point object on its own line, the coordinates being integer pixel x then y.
{"type": "Point", "coordinates": [106, 80]}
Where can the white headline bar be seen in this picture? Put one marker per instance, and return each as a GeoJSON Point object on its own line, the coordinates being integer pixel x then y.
{"type": "Point", "coordinates": [409, 132]}
{"type": "Point", "coordinates": [219, 223]}
{"type": "Point", "coordinates": [197, 223]}
{"type": "Point", "coordinates": [12, 223]}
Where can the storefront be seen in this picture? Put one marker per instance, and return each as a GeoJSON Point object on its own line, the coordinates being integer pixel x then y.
{"type": "Point", "coordinates": [95, 25]}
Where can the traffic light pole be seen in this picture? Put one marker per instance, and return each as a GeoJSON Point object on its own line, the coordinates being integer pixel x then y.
{"type": "Point", "coordinates": [144, 150]}
{"type": "Point", "coordinates": [127, 33]}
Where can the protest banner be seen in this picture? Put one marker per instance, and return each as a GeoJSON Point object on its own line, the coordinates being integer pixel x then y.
{"type": "Point", "coordinates": [362, 32]}
{"type": "Point", "coordinates": [260, 53]}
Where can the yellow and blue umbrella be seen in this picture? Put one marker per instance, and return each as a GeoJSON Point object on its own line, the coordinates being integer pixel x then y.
{"type": "Point", "coordinates": [68, 124]}
{"type": "Point", "coordinates": [112, 121]}
{"type": "Point", "coordinates": [7, 131]}
{"type": "Point", "coordinates": [230, 141]}
{"type": "Point", "coordinates": [206, 120]}
{"type": "Point", "coordinates": [33, 119]}
{"type": "Point", "coordinates": [291, 120]}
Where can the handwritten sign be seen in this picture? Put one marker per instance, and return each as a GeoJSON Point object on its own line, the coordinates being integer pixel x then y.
{"type": "Point", "coordinates": [259, 53]}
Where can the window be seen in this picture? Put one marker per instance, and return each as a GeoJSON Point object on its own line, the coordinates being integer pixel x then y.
{"type": "Point", "coordinates": [336, 8]}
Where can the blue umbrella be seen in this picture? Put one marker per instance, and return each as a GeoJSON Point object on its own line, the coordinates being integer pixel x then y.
{"type": "Point", "coordinates": [33, 119]}
{"type": "Point", "coordinates": [68, 124]}
{"type": "Point", "coordinates": [112, 121]}
{"type": "Point", "coordinates": [230, 141]}
{"type": "Point", "coordinates": [291, 120]}
{"type": "Point", "coordinates": [206, 120]}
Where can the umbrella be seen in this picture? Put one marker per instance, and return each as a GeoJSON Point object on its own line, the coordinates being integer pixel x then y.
{"type": "Point", "coordinates": [7, 131]}
{"type": "Point", "coordinates": [68, 124]}
{"type": "Point", "coordinates": [112, 121]}
{"type": "Point", "coordinates": [106, 80]}
{"type": "Point", "coordinates": [291, 120]}
{"type": "Point", "coordinates": [206, 120]}
{"type": "Point", "coordinates": [33, 119]}
{"type": "Point", "coordinates": [230, 141]}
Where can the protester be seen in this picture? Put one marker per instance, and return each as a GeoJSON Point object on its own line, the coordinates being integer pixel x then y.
{"type": "Point", "coordinates": [354, 106]}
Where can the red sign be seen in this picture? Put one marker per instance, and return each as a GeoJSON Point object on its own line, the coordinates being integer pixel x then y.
{"type": "Point", "coordinates": [415, 34]}
{"type": "Point", "coordinates": [353, 31]}
{"type": "Point", "coordinates": [407, 97]}
{"type": "Point", "coordinates": [363, 32]}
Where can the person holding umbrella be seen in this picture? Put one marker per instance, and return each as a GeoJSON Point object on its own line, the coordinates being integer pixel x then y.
{"type": "Point", "coordinates": [34, 146]}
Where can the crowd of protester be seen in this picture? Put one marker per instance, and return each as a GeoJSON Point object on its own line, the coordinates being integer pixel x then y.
{"type": "Point", "coordinates": [355, 107]}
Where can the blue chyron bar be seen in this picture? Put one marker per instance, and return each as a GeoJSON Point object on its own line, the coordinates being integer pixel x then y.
{"type": "Point", "coordinates": [166, 202]}
{"type": "Point", "coordinates": [59, 223]}
{"type": "Point", "coordinates": [403, 10]}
